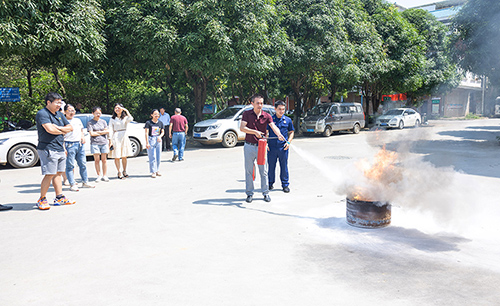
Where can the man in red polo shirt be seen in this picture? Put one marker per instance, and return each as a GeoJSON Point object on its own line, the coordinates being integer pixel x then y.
{"type": "Point", "coordinates": [254, 123]}
{"type": "Point", "coordinates": [177, 132]}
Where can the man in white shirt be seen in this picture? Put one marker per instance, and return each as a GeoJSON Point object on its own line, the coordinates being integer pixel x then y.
{"type": "Point", "coordinates": [165, 119]}
{"type": "Point", "coordinates": [74, 145]}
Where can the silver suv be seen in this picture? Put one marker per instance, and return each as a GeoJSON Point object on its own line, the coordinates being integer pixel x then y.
{"type": "Point", "coordinates": [224, 127]}
{"type": "Point", "coordinates": [326, 118]}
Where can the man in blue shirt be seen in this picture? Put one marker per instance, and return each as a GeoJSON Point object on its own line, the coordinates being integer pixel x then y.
{"type": "Point", "coordinates": [165, 119]}
{"type": "Point", "coordinates": [278, 150]}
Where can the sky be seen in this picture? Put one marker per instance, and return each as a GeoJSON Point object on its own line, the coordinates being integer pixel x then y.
{"type": "Point", "coordinates": [412, 3]}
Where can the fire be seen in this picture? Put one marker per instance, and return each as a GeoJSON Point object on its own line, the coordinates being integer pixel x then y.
{"type": "Point", "coordinates": [380, 173]}
{"type": "Point", "coordinates": [383, 165]}
{"type": "Point", "coordinates": [359, 194]}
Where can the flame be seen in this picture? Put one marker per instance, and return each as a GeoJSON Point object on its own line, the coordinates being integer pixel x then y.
{"type": "Point", "coordinates": [383, 165]}
{"type": "Point", "coordinates": [381, 172]}
{"type": "Point", "coordinates": [359, 194]}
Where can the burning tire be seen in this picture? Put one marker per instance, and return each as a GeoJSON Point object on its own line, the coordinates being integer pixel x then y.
{"type": "Point", "coordinates": [368, 214]}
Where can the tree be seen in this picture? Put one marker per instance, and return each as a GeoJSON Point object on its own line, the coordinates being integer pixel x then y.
{"type": "Point", "coordinates": [477, 36]}
{"type": "Point", "coordinates": [218, 38]}
{"type": "Point", "coordinates": [404, 52]}
{"type": "Point", "coordinates": [368, 59]}
{"type": "Point", "coordinates": [316, 46]}
{"type": "Point", "coordinates": [52, 34]}
{"type": "Point", "coordinates": [439, 73]}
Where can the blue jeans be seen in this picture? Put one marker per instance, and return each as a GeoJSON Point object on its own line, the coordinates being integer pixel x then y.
{"type": "Point", "coordinates": [273, 155]}
{"type": "Point", "coordinates": [154, 152]}
{"type": "Point", "coordinates": [250, 153]}
{"type": "Point", "coordinates": [76, 152]}
{"type": "Point", "coordinates": [179, 143]}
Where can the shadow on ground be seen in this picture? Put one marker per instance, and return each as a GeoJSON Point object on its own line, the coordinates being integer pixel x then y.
{"type": "Point", "coordinates": [410, 238]}
{"type": "Point", "coordinates": [22, 206]}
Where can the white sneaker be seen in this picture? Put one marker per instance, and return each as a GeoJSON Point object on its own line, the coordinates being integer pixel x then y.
{"type": "Point", "coordinates": [66, 183]}
{"type": "Point", "coordinates": [153, 175]}
{"type": "Point", "coordinates": [98, 179]}
{"type": "Point", "coordinates": [74, 188]}
{"type": "Point", "coordinates": [105, 178]}
{"type": "Point", "coordinates": [87, 185]}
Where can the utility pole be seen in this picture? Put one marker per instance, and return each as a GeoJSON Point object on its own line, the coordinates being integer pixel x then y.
{"type": "Point", "coordinates": [483, 89]}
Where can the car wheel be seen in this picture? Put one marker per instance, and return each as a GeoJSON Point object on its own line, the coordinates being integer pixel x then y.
{"type": "Point", "coordinates": [401, 124]}
{"type": "Point", "coordinates": [417, 123]}
{"type": "Point", "coordinates": [356, 128]}
{"type": "Point", "coordinates": [328, 131]}
{"type": "Point", "coordinates": [229, 139]}
{"type": "Point", "coordinates": [136, 147]}
{"type": "Point", "coordinates": [23, 156]}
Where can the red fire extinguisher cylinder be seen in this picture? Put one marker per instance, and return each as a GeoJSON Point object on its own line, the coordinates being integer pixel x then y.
{"type": "Point", "coordinates": [261, 153]}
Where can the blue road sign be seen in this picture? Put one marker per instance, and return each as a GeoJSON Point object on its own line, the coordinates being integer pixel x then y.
{"type": "Point", "coordinates": [9, 94]}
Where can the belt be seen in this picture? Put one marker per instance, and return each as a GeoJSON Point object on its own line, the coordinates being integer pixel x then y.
{"type": "Point", "coordinates": [120, 130]}
{"type": "Point", "coordinates": [179, 132]}
{"type": "Point", "coordinates": [251, 143]}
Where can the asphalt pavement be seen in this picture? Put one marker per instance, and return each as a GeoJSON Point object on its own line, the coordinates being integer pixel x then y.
{"type": "Point", "coordinates": [189, 238]}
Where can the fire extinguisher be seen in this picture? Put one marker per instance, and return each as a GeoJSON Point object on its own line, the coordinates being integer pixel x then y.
{"type": "Point", "coordinates": [261, 153]}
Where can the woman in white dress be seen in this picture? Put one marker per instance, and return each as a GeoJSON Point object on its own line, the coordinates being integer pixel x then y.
{"type": "Point", "coordinates": [120, 146]}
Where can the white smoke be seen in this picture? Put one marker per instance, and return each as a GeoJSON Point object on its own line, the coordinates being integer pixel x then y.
{"type": "Point", "coordinates": [412, 183]}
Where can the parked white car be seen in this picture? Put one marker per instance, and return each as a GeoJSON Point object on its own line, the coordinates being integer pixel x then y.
{"type": "Point", "coordinates": [399, 117]}
{"type": "Point", "coordinates": [18, 148]}
{"type": "Point", "coordinates": [224, 127]}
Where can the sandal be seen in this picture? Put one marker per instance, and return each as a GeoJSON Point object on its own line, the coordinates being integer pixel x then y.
{"type": "Point", "coordinates": [125, 174]}
{"type": "Point", "coordinates": [120, 176]}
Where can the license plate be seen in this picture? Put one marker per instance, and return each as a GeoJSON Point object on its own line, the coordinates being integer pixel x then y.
{"type": "Point", "coordinates": [383, 124]}
{"type": "Point", "coordinates": [310, 130]}
{"type": "Point", "coordinates": [196, 135]}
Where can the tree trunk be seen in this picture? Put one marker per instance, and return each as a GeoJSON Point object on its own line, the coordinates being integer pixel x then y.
{"type": "Point", "coordinates": [173, 94]}
{"type": "Point", "coordinates": [55, 71]}
{"type": "Point", "coordinates": [333, 92]}
{"type": "Point", "coordinates": [298, 102]}
{"type": "Point", "coordinates": [107, 95]}
{"type": "Point", "coordinates": [199, 82]}
{"type": "Point", "coordinates": [30, 86]}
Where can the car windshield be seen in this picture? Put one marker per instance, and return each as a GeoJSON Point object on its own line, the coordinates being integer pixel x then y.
{"type": "Point", "coordinates": [319, 110]}
{"type": "Point", "coordinates": [227, 113]}
{"type": "Point", "coordinates": [394, 112]}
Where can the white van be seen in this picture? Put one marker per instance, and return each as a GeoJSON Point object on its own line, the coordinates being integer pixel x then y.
{"type": "Point", "coordinates": [224, 127]}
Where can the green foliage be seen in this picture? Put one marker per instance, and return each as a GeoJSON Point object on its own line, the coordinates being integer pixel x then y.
{"type": "Point", "coordinates": [47, 33]}
{"type": "Point", "coordinates": [12, 76]}
{"type": "Point", "coordinates": [190, 52]}
{"type": "Point", "coordinates": [439, 72]}
{"type": "Point", "coordinates": [471, 116]}
{"type": "Point", "coordinates": [477, 38]}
